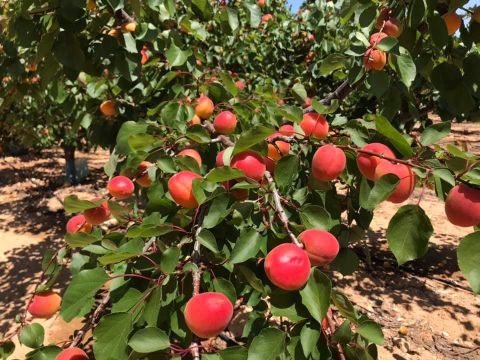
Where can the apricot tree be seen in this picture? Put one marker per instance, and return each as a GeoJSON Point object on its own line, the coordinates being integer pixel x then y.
{"type": "Point", "coordinates": [248, 157]}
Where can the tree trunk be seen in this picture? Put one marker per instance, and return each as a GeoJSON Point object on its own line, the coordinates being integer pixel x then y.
{"type": "Point", "coordinates": [70, 170]}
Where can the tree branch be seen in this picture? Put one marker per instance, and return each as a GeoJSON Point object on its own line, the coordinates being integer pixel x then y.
{"type": "Point", "coordinates": [281, 212]}
{"type": "Point", "coordinates": [332, 326]}
{"type": "Point", "coordinates": [225, 140]}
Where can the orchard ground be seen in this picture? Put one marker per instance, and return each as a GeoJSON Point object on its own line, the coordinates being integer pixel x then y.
{"type": "Point", "coordinates": [428, 299]}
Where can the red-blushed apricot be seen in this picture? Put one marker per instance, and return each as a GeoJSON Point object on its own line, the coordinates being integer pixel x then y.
{"type": "Point", "coordinates": [462, 206]}
{"type": "Point", "coordinates": [389, 24]}
{"type": "Point", "coordinates": [308, 102]}
{"type": "Point", "coordinates": [287, 266]}
{"type": "Point", "coordinates": [219, 159]}
{"type": "Point", "coordinates": [287, 130]}
{"type": "Point", "coordinates": [72, 353]}
{"type": "Point", "coordinates": [328, 163]}
{"type": "Point", "coordinates": [114, 33]}
{"type": "Point", "coordinates": [208, 314]}
{"type": "Point", "coordinates": [376, 38]}
{"type": "Point", "coordinates": [321, 246]}
{"type": "Point", "coordinates": [121, 187]}
{"type": "Point", "coordinates": [204, 108]}
{"type": "Point", "coordinates": [239, 194]}
{"type": "Point", "coordinates": [266, 18]}
{"type": "Point", "coordinates": [452, 21]}
{"type": "Point", "coordinates": [407, 179]}
{"type": "Point", "coordinates": [142, 175]}
{"type": "Point", "coordinates": [225, 123]}
{"type": "Point", "coordinates": [194, 121]}
{"type": "Point", "coordinates": [374, 60]}
{"type": "Point", "coordinates": [261, 3]}
{"type": "Point", "coordinates": [476, 15]}
{"type": "Point", "coordinates": [251, 163]}
{"type": "Point", "coordinates": [368, 163]}
{"type": "Point", "coordinates": [240, 85]}
{"type": "Point", "coordinates": [144, 55]}
{"type": "Point", "coordinates": [44, 305]}
{"type": "Point", "coordinates": [280, 149]}
{"type": "Point", "coordinates": [314, 125]}
{"type": "Point", "coordinates": [270, 164]}
{"type": "Point", "coordinates": [97, 215]}
{"type": "Point", "coordinates": [180, 186]}
{"type": "Point", "coordinates": [108, 108]}
{"type": "Point", "coordinates": [78, 223]}
{"type": "Point", "coordinates": [193, 154]}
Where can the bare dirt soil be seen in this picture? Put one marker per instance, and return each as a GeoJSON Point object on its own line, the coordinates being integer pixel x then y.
{"type": "Point", "coordinates": [429, 297]}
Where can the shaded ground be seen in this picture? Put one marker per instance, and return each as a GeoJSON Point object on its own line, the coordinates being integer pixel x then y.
{"type": "Point", "coordinates": [429, 296]}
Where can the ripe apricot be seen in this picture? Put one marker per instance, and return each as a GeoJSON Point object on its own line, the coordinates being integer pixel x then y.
{"type": "Point", "coordinates": [251, 163]}
{"type": "Point", "coordinates": [314, 125]}
{"type": "Point", "coordinates": [287, 266]}
{"type": "Point", "coordinates": [72, 353]}
{"type": "Point", "coordinates": [266, 18]}
{"type": "Point", "coordinates": [321, 246]}
{"type": "Point", "coordinates": [453, 22]}
{"type": "Point", "coordinates": [108, 108]}
{"type": "Point", "coordinates": [193, 154]}
{"type": "Point", "coordinates": [78, 223]}
{"type": "Point", "coordinates": [208, 314]}
{"type": "Point", "coordinates": [407, 179]}
{"type": "Point", "coordinates": [261, 3]}
{"type": "Point", "coordinates": [287, 130]}
{"type": "Point", "coordinates": [240, 84]}
{"type": "Point", "coordinates": [44, 305]}
{"type": "Point", "coordinates": [97, 215]}
{"type": "Point", "coordinates": [280, 149]}
{"type": "Point", "coordinates": [121, 187]}
{"type": "Point", "coordinates": [389, 24]}
{"type": "Point", "coordinates": [308, 102]}
{"type": "Point", "coordinates": [368, 163]}
{"type": "Point", "coordinates": [219, 159]}
{"type": "Point", "coordinates": [144, 54]}
{"type": "Point", "coordinates": [270, 164]}
{"type": "Point", "coordinates": [114, 33]}
{"type": "Point", "coordinates": [376, 38]}
{"type": "Point", "coordinates": [142, 177]}
{"type": "Point", "coordinates": [328, 163]}
{"type": "Point", "coordinates": [180, 186]}
{"type": "Point", "coordinates": [374, 60]}
{"type": "Point", "coordinates": [204, 108]}
{"type": "Point", "coordinates": [225, 123]}
{"type": "Point", "coordinates": [129, 27]}
{"type": "Point", "coordinates": [462, 206]}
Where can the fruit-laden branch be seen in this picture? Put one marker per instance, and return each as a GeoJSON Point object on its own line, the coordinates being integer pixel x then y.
{"type": "Point", "coordinates": [281, 212]}
{"type": "Point", "coordinates": [92, 322]}
{"type": "Point", "coordinates": [339, 94]}
{"type": "Point", "coordinates": [225, 140]}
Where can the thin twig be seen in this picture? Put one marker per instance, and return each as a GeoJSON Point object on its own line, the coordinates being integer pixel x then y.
{"type": "Point", "coordinates": [332, 326]}
{"type": "Point", "coordinates": [225, 140]}
{"type": "Point", "coordinates": [279, 208]}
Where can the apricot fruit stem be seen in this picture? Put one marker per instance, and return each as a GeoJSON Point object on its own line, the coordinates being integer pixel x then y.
{"type": "Point", "coordinates": [279, 208]}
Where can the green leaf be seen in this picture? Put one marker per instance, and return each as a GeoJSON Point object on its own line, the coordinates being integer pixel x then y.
{"type": "Point", "coordinates": [315, 217]}
{"type": "Point", "coordinates": [234, 353]}
{"type": "Point", "coordinates": [435, 133]}
{"type": "Point", "coordinates": [68, 51]}
{"type": "Point", "coordinates": [169, 259]}
{"type": "Point", "coordinates": [408, 233]}
{"type": "Point", "coordinates": [445, 77]}
{"type": "Point", "coordinates": [198, 134]}
{"type": "Point", "coordinates": [325, 109]}
{"type": "Point", "coordinates": [416, 13]}
{"type": "Point", "coordinates": [255, 13]}
{"type": "Point", "coordinates": [32, 335]}
{"type": "Point", "coordinates": [73, 204]}
{"type": "Point", "coordinates": [438, 30]}
{"type": "Point", "coordinates": [128, 128]}
{"type": "Point", "coordinates": [405, 67]}
{"type": "Point", "coordinates": [286, 170]}
{"type": "Point", "coordinates": [202, 8]}
{"type": "Point", "coordinates": [387, 44]}
{"type": "Point", "coordinates": [176, 56]}
{"type": "Point", "coordinates": [468, 254]}
{"type": "Point", "coordinates": [81, 239]}
{"type": "Point", "coordinates": [149, 340]}
{"type": "Point", "coordinates": [384, 127]}
{"type": "Point", "coordinates": [217, 211]}
{"type": "Point", "coordinates": [223, 173]}
{"type": "Point", "coordinates": [225, 287]}
{"type": "Point", "coordinates": [316, 294]}
{"type": "Point", "coordinates": [331, 63]}
{"type": "Point", "coordinates": [110, 337]}
{"type": "Point", "coordinates": [382, 189]}
{"type": "Point", "coordinates": [344, 306]}
{"type": "Point", "coordinates": [309, 336]}
{"type": "Point", "coordinates": [252, 137]}
{"type": "Point", "coordinates": [371, 331]}
{"type": "Point", "coordinates": [379, 82]}
{"type": "Point", "coordinates": [48, 352]}
{"type": "Point", "coordinates": [208, 240]}
{"type": "Point", "coordinates": [346, 262]}
{"type": "Point", "coordinates": [267, 345]}
{"type": "Point", "coordinates": [246, 247]}
{"type": "Point", "coordinates": [79, 296]}
{"type": "Point", "coordinates": [6, 349]}
{"type": "Point", "coordinates": [299, 90]}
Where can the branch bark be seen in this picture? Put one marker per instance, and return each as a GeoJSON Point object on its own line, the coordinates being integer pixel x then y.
{"type": "Point", "coordinates": [281, 212]}
{"type": "Point", "coordinates": [332, 326]}
{"type": "Point", "coordinates": [225, 140]}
